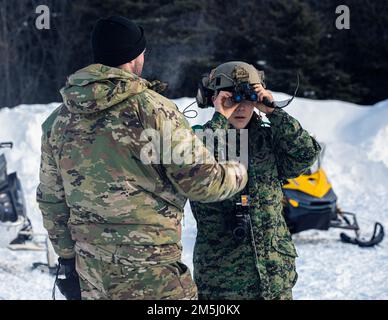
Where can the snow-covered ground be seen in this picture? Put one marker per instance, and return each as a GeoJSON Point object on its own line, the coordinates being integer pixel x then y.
{"type": "Point", "coordinates": [356, 161]}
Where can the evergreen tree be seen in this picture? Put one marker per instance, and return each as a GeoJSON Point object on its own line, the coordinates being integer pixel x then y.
{"type": "Point", "coordinates": [189, 37]}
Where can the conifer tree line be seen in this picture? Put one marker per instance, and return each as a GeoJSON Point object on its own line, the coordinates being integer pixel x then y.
{"type": "Point", "coordinates": [189, 37]}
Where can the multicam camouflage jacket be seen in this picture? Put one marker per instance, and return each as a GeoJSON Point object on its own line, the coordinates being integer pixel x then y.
{"type": "Point", "coordinates": [227, 269]}
{"type": "Point", "coordinates": [94, 187]}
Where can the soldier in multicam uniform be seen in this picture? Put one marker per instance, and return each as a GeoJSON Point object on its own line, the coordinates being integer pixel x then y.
{"type": "Point", "coordinates": [102, 206]}
{"type": "Point", "coordinates": [261, 265]}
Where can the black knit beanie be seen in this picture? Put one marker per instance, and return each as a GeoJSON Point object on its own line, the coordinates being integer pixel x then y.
{"type": "Point", "coordinates": [116, 40]}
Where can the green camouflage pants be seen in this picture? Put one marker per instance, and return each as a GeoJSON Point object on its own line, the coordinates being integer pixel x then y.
{"type": "Point", "coordinates": [286, 295]}
{"type": "Point", "coordinates": [100, 280]}
{"type": "Point", "coordinates": [236, 276]}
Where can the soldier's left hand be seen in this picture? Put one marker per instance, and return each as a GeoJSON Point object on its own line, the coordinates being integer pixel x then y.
{"type": "Point", "coordinates": [261, 94]}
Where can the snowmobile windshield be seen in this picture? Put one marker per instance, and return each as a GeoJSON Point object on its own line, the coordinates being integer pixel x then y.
{"type": "Point", "coordinates": [315, 167]}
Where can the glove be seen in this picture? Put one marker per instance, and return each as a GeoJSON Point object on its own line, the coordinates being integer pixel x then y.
{"type": "Point", "coordinates": [67, 279]}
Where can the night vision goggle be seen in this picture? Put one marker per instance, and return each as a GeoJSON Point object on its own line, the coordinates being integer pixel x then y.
{"type": "Point", "coordinates": [246, 91]}
{"type": "Point", "coordinates": [241, 91]}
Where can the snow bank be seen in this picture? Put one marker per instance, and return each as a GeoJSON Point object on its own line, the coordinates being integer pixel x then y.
{"type": "Point", "coordinates": [21, 125]}
{"type": "Point", "coordinates": [356, 162]}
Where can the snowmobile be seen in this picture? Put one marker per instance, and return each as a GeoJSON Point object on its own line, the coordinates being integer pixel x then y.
{"type": "Point", "coordinates": [311, 203]}
{"type": "Point", "coordinates": [15, 227]}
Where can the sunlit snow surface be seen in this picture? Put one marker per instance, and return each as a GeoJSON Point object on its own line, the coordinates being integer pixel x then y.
{"type": "Point", "coordinates": [356, 162]}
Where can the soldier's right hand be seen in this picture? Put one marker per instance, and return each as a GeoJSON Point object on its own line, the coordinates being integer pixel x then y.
{"type": "Point", "coordinates": [224, 104]}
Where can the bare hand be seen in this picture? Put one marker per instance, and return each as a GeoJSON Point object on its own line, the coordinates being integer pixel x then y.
{"type": "Point", "coordinates": [224, 104]}
{"type": "Point", "coordinates": [261, 94]}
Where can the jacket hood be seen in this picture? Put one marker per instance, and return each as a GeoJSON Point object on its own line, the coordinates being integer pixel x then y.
{"type": "Point", "coordinates": [98, 87]}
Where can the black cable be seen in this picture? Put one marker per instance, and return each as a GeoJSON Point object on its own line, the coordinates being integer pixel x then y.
{"type": "Point", "coordinates": [185, 111]}
{"type": "Point", "coordinates": [285, 103]}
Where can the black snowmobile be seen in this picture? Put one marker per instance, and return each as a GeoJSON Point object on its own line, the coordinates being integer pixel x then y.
{"type": "Point", "coordinates": [15, 227]}
{"type": "Point", "coordinates": [13, 217]}
{"type": "Point", "coordinates": [310, 203]}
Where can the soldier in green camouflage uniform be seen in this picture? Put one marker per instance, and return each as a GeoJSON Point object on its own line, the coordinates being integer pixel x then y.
{"type": "Point", "coordinates": [119, 217]}
{"type": "Point", "coordinates": [262, 267]}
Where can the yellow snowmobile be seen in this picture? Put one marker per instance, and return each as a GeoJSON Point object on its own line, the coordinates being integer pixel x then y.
{"type": "Point", "coordinates": [310, 203]}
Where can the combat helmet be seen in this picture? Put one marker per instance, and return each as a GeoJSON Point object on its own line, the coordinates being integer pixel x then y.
{"type": "Point", "coordinates": [234, 76]}
{"type": "Point", "coordinates": [231, 73]}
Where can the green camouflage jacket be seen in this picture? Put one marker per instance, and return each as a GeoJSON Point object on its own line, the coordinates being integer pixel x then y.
{"type": "Point", "coordinates": [94, 188]}
{"type": "Point", "coordinates": [226, 269]}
